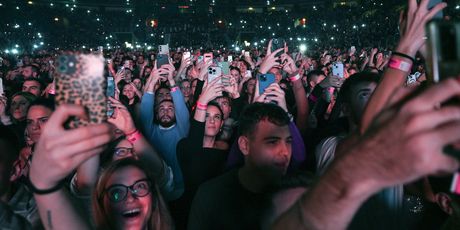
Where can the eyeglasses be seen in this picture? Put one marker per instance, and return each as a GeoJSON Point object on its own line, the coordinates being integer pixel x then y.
{"type": "Point", "coordinates": [122, 151]}
{"type": "Point", "coordinates": [119, 192]}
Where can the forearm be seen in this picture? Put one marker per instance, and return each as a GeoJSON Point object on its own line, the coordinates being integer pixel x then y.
{"type": "Point", "coordinates": [146, 151]}
{"type": "Point", "coordinates": [331, 203]}
{"type": "Point", "coordinates": [87, 175]}
{"type": "Point", "coordinates": [302, 106]}
{"type": "Point", "coordinates": [391, 80]}
{"type": "Point", "coordinates": [57, 212]}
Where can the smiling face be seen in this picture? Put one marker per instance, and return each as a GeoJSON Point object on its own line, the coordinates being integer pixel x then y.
{"type": "Point", "coordinates": [128, 91]}
{"type": "Point", "coordinates": [132, 212]}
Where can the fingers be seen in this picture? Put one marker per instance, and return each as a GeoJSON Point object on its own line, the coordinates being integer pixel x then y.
{"type": "Point", "coordinates": [435, 10]}
{"type": "Point", "coordinates": [276, 52]}
{"type": "Point", "coordinates": [80, 134]}
{"type": "Point", "coordinates": [434, 96]}
{"type": "Point", "coordinates": [269, 48]}
{"type": "Point", "coordinates": [63, 113]}
{"type": "Point", "coordinates": [428, 121]}
{"type": "Point", "coordinates": [82, 157]}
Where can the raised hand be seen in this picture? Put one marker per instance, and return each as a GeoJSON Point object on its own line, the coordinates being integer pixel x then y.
{"type": "Point", "coordinates": [60, 151]}
{"type": "Point", "coordinates": [121, 117]}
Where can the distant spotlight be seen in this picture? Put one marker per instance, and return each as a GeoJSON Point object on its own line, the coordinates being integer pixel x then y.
{"type": "Point", "coordinates": [56, 19]}
{"type": "Point", "coordinates": [14, 51]}
{"type": "Point", "coordinates": [303, 48]}
{"type": "Point", "coordinates": [237, 48]}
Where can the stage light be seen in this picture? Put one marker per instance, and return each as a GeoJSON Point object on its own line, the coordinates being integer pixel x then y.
{"type": "Point", "coordinates": [56, 19]}
{"type": "Point", "coordinates": [237, 48]}
{"type": "Point", "coordinates": [14, 51]}
{"type": "Point", "coordinates": [30, 2]}
{"type": "Point", "coordinates": [303, 48]}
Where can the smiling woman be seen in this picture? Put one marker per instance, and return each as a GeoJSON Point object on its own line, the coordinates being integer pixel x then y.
{"type": "Point", "coordinates": [127, 197]}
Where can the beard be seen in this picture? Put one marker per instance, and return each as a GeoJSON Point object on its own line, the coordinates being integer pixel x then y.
{"type": "Point", "coordinates": [167, 122]}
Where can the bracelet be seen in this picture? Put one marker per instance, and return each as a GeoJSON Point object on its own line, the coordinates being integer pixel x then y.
{"type": "Point", "coordinates": [294, 78]}
{"type": "Point", "coordinates": [35, 190]}
{"type": "Point", "coordinates": [400, 65]}
{"type": "Point", "coordinates": [174, 89]}
{"type": "Point", "coordinates": [134, 136]}
{"type": "Point", "coordinates": [201, 106]}
{"type": "Point", "coordinates": [404, 56]}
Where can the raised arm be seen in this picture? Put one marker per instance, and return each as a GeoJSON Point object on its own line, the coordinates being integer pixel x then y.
{"type": "Point", "coordinates": [410, 43]}
{"type": "Point", "coordinates": [57, 154]}
{"type": "Point", "coordinates": [405, 144]}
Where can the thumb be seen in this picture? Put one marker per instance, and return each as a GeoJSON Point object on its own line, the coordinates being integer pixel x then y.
{"type": "Point", "coordinates": [63, 113]}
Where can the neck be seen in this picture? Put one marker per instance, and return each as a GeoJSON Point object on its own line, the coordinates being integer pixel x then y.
{"type": "Point", "coordinates": [254, 180]}
{"type": "Point", "coordinates": [208, 142]}
{"type": "Point", "coordinates": [131, 100]}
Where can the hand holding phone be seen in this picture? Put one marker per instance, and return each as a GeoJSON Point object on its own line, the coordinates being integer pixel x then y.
{"type": "Point", "coordinates": [337, 69]}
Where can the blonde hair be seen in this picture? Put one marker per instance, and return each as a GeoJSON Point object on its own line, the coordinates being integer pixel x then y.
{"type": "Point", "coordinates": [159, 219]}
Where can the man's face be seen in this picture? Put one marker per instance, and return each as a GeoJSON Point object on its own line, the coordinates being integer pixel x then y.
{"type": "Point", "coordinates": [166, 114]}
{"type": "Point", "coordinates": [32, 87]}
{"type": "Point", "coordinates": [277, 73]}
{"type": "Point", "coordinates": [27, 72]}
{"type": "Point", "coordinates": [224, 105]}
{"type": "Point", "coordinates": [360, 96]}
{"type": "Point", "coordinates": [140, 59]}
{"type": "Point", "coordinates": [269, 148]}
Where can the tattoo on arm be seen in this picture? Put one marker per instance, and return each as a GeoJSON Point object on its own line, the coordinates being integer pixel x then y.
{"type": "Point", "coordinates": [50, 223]}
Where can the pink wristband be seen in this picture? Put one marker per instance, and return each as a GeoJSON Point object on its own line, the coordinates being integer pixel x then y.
{"type": "Point", "coordinates": [174, 89]}
{"type": "Point", "coordinates": [294, 78]}
{"type": "Point", "coordinates": [201, 106]}
{"type": "Point", "coordinates": [400, 65]}
{"type": "Point", "coordinates": [133, 137]}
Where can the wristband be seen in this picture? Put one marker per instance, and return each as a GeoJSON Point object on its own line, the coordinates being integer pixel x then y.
{"type": "Point", "coordinates": [404, 56]}
{"type": "Point", "coordinates": [201, 106]}
{"type": "Point", "coordinates": [174, 89]}
{"type": "Point", "coordinates": [294, 78]}
{"type": "Point", "coordinates": [35, 190]}
{"type": "Point", "coordinates": [134, 136]}
{"type": "Point", "coordinates": [400, 65]}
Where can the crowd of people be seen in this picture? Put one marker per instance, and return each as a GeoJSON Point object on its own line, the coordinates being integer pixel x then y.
{"type": "Point", "coordinates": [366, 146]}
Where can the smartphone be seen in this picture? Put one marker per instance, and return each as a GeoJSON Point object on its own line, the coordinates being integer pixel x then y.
{"type": "Point", "coordinates": [20, 63]}
{"type": "Point", "coordinates": [213, 73]}
{"type": "Point", "coordinates": [163, 49]}
{"type": "Point", "coordinates": [186, 55]}
{"type": "Point", "coordinates": [208, 57]}
{"type": "Point", "coordinates": [100, 49]}
{"type": "Point", "coordinates": [80, 80]}
{"type": "Point", "coordinates": [265, 80]}
{"type": "Point", "coordinates": [230, 58]}
{"type": "Point", "coordinates": [278, 43]}
{"type": "Point", "coordinates": [110, 93]}
{"type": "Point", "coordinates": [444, 49]}
{"type": "Point", "coordinates": [353, 49]}
{"type": "Point", "coordinates": [200, 58]}
{"type": "Point", "coordinates": [247, 54]}
{"type": "Point", "coordinates": [225, 67]}
{"type": "Point", "coordinates": [1, 87]}
{"type": "Point", "coordinates": [162, 59]}
{"type": "Point", "coordinates": [337, 69]}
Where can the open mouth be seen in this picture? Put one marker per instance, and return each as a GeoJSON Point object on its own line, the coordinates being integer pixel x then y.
{"type": "Point", "coordinates": [131, 213]}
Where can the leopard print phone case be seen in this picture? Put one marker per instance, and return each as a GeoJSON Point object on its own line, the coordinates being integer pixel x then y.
{"type": "Point", "coordinates": [80, 80]}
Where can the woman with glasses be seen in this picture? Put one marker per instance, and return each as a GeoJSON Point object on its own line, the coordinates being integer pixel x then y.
{"type": "Point", "coordinates": [127, 197]}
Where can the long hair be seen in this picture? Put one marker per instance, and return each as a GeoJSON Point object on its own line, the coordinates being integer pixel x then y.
{"type": "Point", "coordinates": [159, 219]}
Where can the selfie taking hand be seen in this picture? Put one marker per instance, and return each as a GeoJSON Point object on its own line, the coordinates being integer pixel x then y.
{"type": "Point", "coordinates": [60, 151]}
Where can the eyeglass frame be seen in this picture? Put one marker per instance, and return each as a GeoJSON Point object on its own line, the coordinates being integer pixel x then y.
{"type": "Point", "coordinates": [128, 189]}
